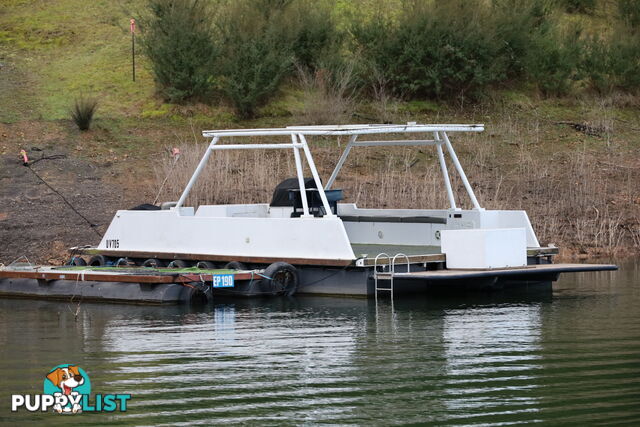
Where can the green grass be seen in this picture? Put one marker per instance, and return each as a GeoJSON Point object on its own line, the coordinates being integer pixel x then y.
{"type": "Point", "coordinates": [147, 270]}
{"type": "Point", "coordinates": [68, 48]}
{"type": "Point", "coordinates": [54, 51]}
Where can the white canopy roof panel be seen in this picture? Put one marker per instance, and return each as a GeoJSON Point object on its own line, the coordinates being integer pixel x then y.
{"type": "Point", "coordinates": [347, 130]}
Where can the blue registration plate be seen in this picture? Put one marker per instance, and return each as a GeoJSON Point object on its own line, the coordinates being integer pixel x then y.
{"type": "Point", "coordinates": [223, 281]}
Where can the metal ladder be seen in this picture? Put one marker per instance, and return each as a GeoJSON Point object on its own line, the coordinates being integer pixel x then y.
{"type": "Point", "coordinates": [386, 275]}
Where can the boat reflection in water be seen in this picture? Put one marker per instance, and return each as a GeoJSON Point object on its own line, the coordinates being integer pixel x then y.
{"type": "Point", "coordinates": [488, 358]}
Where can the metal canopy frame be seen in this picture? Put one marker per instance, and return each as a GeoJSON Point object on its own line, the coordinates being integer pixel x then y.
{"type": "Point", "coordinates": [299, 142]}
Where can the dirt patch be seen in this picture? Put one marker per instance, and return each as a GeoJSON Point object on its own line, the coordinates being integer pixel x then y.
{"type": "Point", "coordinates": [37, 223]}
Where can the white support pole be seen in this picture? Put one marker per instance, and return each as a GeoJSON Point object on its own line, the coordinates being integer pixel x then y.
{"type": "Point", "coordinates": [458, 166]}
{"type": "Point", "coordinates": [197, 172]}
{"type": "Point", "coordinates": [445, 172]}
{"type": "Point", "coordinates": [303, 190]}
{"type": "Point", "coordinates": [341, 161]}
{"type": "Point", "coordinates": [397, 142]}
{"type": "Point", "coordinates": [250, 146]}
{"type": "Point", "coordinates": [316, 177]}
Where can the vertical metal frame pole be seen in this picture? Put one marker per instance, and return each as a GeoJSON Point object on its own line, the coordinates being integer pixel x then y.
{"type": "Point", "coordinates": [197, 172]}
{"type": "Point", "coordinates": [458, 166]}
{"type": "Point", "coordinates": [316, 177]}
{"type": "Point", "coordinates": [303, 190]}
{"type": "Point", "coordinates": [445, 171]}
{"type": "Point", "coordinates": [341, 161]}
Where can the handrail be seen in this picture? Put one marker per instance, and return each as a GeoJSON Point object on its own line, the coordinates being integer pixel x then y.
{"type": "Point", "coordinates": [393, 262]}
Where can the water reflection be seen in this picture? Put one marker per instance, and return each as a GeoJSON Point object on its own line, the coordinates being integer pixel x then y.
{"type": "Point", "coordinates": [571, 355]}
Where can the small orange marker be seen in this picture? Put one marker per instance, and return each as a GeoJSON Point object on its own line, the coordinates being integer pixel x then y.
{"type": "Point", "coordinates": [25, 159]}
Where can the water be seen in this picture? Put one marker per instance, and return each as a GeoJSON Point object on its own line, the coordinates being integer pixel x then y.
{"type": "Point", "coordinates": [572, 355]}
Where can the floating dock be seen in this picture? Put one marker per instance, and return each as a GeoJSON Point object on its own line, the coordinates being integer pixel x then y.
{"type": "Point", "coordinates": [159, 286]}
{"type": "Point", "coordinates": [119, 284]}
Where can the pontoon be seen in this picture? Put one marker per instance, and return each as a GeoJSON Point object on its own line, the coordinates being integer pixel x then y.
{"type": "Point", "coordinates": [317, 244]}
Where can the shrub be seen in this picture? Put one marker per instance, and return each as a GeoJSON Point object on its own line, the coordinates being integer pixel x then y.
{"type": "Point", "coordinates": [553, 60]}
{"type": "Point", "coordinates": [595, 66]}
{"type": "Point", "coordinates": [257, 55]}
{"type": "Point", "coordinates": [83, 111]}
{"type": "Point", "coordinates": [629, 11]}
{"type": "Point", "coordinates": [177, 40]}
{"type": "Point", "coordinates": [314, 32]}
{"type": "Point", "coordinates": [580, 6]}
{"type": "Point", "coordinates": [437, 49]}
{"type": "Point", "coordinates": [517, 23]}
{"type": "Point", "coordinates": [263, 39]}
{"type": "Point", "coordinates": [612, 63]}
{"type": "Point", "coordinates": [624, 57]}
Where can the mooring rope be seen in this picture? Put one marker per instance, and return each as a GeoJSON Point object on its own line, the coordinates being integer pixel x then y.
{"type": "Point", "coordinates": [28, 165]}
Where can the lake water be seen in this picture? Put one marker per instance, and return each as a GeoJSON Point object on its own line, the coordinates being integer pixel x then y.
{"type": "Point", "coordinates": [571, 355]}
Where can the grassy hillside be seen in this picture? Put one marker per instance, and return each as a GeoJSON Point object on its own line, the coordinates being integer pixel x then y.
{"type": "Point", "coordinates": [573, 162]}
{"type": "Point", "coordinates": [53, 51]}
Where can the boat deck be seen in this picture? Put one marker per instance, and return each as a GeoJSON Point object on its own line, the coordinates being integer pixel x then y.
{"type": "Point", "coordinates": [367, 251]}
{"type": "Point", "coordinates": [366, 254]}
{"type": "Point", "coordinates": [532, 271]}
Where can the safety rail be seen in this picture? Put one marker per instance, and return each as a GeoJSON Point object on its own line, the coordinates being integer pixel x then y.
{"type": "Point", "coordinates": [388, 275]}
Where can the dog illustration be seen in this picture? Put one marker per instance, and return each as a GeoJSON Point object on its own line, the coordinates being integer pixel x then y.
{"type": "Point", "coordinates": [66, 379]}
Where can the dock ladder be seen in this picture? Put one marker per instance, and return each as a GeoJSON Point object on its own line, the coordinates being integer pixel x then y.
{"type": "Point", "coordinates": [390, 268]}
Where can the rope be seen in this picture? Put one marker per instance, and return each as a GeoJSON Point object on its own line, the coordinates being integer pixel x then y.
{"type": "Point", "coordinates": [176, 153]}
{"type": "Point", "coordinates": [91, 225]}
{"type": "Point", "coordinates": [75, 290]}
{"type": "Point", "coordinates": [19, 258]}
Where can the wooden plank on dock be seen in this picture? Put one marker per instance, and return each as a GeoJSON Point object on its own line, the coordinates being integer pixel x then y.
{"type": "Point", "coordinates": [89, 275]}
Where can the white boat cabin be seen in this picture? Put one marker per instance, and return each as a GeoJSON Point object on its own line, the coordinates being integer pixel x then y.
{"type": "Point", "coordinates": [306, 223]}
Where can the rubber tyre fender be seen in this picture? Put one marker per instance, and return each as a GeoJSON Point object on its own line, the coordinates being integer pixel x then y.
{"type": "Point", "coordinates": [98, 261]}
{"type": "Point", "coordinates": [122, 262]}
{"type": "Point", "coordinates": [77, 261]}
{"type": "Point", "coordinates": [235, 265]}
{"type": "Point", "coordinates": [153, 263]}
{"type": "Point", "coordinates": [282, 278]}
{"type": "Point", "coordinates": [178, 263]}
{"type": "Point", "coordinates": [206, 265]}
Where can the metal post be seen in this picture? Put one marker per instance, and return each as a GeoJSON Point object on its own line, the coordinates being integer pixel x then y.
{"type": "Point", "coordinates": [458, 166]}
{"type": "Point", "coordinates": [341, 161]}
{"type": "Point", "coordinates": [316, 177]}
{"type": "Point", "coordinates": [303, 190]}
{"type": "Point", "coordinates": [197, 172]}
{"type": "Point", "coordinates": [132, 23]}
{"type": "Point", "coordinates": [445, 172]}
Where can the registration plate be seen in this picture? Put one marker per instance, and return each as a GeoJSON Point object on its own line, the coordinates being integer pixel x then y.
{"type": "Point", "coordinates": [223, 281]}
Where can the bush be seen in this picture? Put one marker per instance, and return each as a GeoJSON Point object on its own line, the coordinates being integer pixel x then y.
{"type": "Point", "coordinates": [613, 63]}
{"type": "Point", "coordinates": [580, 6]}
{"type": "Point", "coordinates": [261, 40]}
{"type": "Point", "coordinates": [257, 54]}
{"type": "Point", "coordinates": [83, 111]}
{"type": "Point", "coordinates": [596, 65]}
{"type": "Point", "coordinates": [315, 37]}
{"type": "Point", "coordinates": [177, 40]}
{"type": "Point", "coordinates": [630, 12]}
{"type": "Point", "coordinates": [440, 49]}
{"type": "Point", "coordinates": [553, 60]}
{"type": "Point", "coordinates": [517, 23]}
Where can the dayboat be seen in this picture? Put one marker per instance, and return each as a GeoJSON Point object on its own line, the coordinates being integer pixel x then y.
{"type": "Point", "coordinates": [306, 240]}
